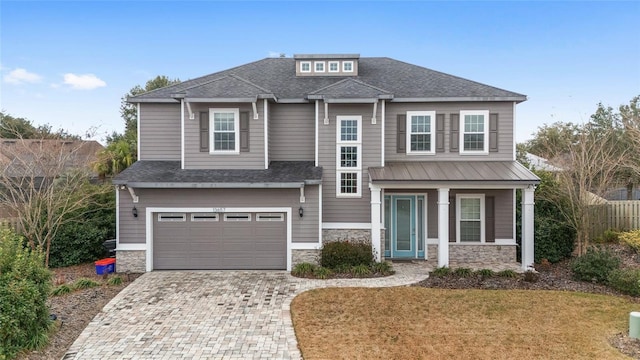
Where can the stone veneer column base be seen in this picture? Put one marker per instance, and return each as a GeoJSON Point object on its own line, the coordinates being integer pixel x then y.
{"type": "Point", "coordinates": [131, 261]}
{"type": "Point", "coordinates": [305, 256]}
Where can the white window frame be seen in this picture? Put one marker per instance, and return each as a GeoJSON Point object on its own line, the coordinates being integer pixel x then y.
{"type": "Point", "coordinates": [432, 134]}
{"type": "Point", "coordinates": [344, 66]}
{"type": "Point", "coordinates": [204, 217]}
{"type": "Point", "coordinates": [172, 217]}
{"type": "Point", "coordinates": [349, 143]}
{"type": "Point", "coordinates": [302, 63]}
{"type": "Point", "coordinates": [269, 217]}
{"type": "Point", "coordinates": [485, 150]}
{"type": "Point", "coordinates": [459, 198]}
{"type": "Point", "coordinates": [237, 217]}
{"type": "Point", "coordinates": [315, 66]}
{"type": "Point", "coordinates": [212, 131]}
{"type": "Point", "coordinates": [336, 63]}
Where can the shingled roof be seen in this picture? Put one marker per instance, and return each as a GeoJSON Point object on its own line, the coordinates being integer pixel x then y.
{"type": "Point", "coordinates": [377, 76]}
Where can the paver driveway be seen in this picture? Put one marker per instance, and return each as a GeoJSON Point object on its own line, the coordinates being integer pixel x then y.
{"type": "Point", "coordinates": [209, 315]}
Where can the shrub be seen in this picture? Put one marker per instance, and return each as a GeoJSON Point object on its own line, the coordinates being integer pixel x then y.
{"type": "Point", "coordinates": [361, 270]}
{"type": "Point", "coordinates": [508, 274]}
{"type": "Point", "coordinates": [24, 286]}
{"type": "Point", "coordinates": [338, 253]}
{"type": "Point", "coordinates": [342, 268]}
{"type": "Point", "coordinates": [441, 271]}
{"type": "Point", "coordinates": [485, 273]}
{"type": "Point", "coordinates": [595, 265]}
{"type": "Point", "coordinates": [463, 272]}
{"type": "Point", "coordinates": [84, 283]}
{"type": "Point", "coordinates": [608, 237]}
{"type": "Point", "coordinates": [61, 290]}
{"type": "Point", "coordinates": [631, 239]}
{"type": "Point", "coordinates": [303, 269]}
{"type": "Point", "coordinates": [322, 272]}
{"type": "Point", "coordinates": [383, 268]}
{"type": "Point", "coordinates": [554, 239]}
{"type": "Point", "coordinates": [626, 281]}
{"type": "Point", "coordinates": [115, 280]}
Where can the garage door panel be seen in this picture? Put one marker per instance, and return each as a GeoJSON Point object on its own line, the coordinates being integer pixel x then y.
{"type": "Point", "coordinates": [219, 244]}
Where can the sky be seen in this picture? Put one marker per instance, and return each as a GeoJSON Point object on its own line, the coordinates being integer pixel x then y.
{"type": "Point", "coordinates": [68, 64]}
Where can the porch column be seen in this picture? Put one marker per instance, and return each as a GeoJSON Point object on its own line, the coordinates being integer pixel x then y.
{"type": "Point", "coordinates": [527, 228]}
{"type": "Point", "coordinates": [443, 227]}
{"type": "Point", "coordinates": [375, 221]}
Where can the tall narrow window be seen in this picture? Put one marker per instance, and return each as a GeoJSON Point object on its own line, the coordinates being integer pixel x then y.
{"type": "Point", "coordinates": [470, 218]}
{"type": "Point", "coordinates": [474, 134]}
{"type": "Point", "coordinates": [421, 132]}
{"type": "Point", "coordinates": [348, 156]}
{"type": "Point", "coordinates": [224, 127]}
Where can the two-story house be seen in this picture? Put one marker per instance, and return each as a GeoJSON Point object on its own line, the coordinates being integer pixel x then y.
{"type": "Point", "coordinates": [257, 166]}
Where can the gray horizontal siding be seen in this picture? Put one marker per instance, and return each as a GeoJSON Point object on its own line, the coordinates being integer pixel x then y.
{"type": "Point", "coordinates": [347, 209]}
{"type": "Point", "coordinates": [194, 159]}
{"type": "Point", "coordinates": [505, 130]}
{"type": "Point", "coordinates": [305, 229]}
{"type": "Point", "coordinates": [292, 132]}
{"type": "Point", "coordinates": [160, 132]}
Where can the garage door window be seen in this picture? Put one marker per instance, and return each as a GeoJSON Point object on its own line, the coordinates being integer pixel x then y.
{"type": "Point", "coordinates": [204, 217]}
{"type": "Point", "coordinates": [269, 217]}
{"type": "Point", "coordinates": [172, 217]}
{"type": "Point", "coordinates": [237, 217]}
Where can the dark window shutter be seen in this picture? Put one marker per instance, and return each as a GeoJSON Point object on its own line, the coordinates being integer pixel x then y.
{"type": "Point", "coordinates": [244, 131]}
{"type": "Point", "coordinates": [452, 219]}
{"type": "Point", "coordinates": [204, 131]}
{"type": "Point", "coordinates": [490, 219]}
{"type": "Point", "coordinates": [455, 132]}
{"type": "Point", "coordinates": [402, 134]}
{"type": "Point", "coordinates": [493, 132]}
{"type": "Point", "coordinates": [439, 132]}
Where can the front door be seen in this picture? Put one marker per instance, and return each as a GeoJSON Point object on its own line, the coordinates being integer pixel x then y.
{"type": "Point", "coordinates": [404, 224]}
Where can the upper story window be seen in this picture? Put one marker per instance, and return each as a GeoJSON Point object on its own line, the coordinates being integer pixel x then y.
{"type": "Point", "coordinates": [421, 132]}
{"type": "Point", "coordinates": [319, 66]}
{"type": "Point", "coordinates": [348, 156]}
{"type": "Point", "coordinates": [225, 131]}
{"type": "Point", "coordinates": [305, 66]}
{"type": "Point", "coordinates": [474, 126]}
{"type": "Point", "coordinates": [334, 66]}
{"type": "Point", "coordinates": [347, 66]}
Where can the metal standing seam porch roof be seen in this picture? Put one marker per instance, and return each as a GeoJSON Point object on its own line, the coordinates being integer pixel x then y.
{"type": "Point", "coordinates": [459, 172]}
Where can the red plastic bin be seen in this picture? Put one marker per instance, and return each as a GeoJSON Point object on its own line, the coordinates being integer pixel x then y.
{"type": "Point", "coordinates": [105, 266]}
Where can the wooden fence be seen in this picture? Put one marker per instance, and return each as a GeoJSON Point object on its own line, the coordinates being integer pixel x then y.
{"type": "Point", "coordinates": [615, 215]}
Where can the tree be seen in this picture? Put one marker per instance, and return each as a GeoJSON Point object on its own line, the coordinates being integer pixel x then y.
{"type": "Point", "coordinates": [14, 127]}
{"type": "Point", "coordinates": [121, 150]}
{"type": "Point", "coordinates": [551, 140]}
{"type": "Point", "coordinates": [630, 119]}
{"type": "Point", "coordinates": [45, 185]}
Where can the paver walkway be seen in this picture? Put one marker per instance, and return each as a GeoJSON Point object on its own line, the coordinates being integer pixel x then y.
{"type": "Point", "coordinates": [210, 315]}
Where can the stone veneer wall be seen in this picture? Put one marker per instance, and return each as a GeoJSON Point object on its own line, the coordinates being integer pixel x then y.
{"type": "Point", "coordinates": [304, 256]}
{"type": "Point", "coordinates": [131, 261]}
{"type": "Point", "coordinates": [475, 253]}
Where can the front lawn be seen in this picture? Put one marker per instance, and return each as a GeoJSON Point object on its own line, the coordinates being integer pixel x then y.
{"type": "Point", "coordinates": [415, 322]}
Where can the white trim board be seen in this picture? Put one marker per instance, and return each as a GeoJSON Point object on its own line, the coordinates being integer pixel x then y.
{"type": "Point", "coordinates": [151, 210]}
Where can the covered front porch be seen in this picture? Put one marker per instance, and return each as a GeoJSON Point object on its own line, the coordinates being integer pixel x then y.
{"type": "Point", "coordinates": [452, 213]}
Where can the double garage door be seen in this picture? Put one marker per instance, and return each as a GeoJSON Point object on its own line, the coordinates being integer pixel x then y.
{"type": "Point", "coordinates": [204, 241]}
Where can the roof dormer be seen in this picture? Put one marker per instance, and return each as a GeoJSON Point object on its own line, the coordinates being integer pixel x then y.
{"type": "Point", "coordinates": [326, 64]}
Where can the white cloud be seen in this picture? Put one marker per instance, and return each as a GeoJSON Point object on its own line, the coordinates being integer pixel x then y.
{"type": "Point", "coordinates": [83, 82]}
{"type": "Point", "coordinates": [21, 76]}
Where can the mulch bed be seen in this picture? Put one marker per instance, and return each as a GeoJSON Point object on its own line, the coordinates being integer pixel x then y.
{"type": "Point", "coordinates": [551, 277]}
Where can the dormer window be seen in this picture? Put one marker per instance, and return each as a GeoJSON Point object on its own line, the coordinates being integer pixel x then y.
{"type": "Point", "coordinates": [347, 66]}
{"type": "Point", "coordinates": [319, 66]}
{"type": "Point", "coordinates": [305, 66]}
{"type": "Point", "coordinates": [326, 64]}
{"type": "Point", "coordinates": [334, 66]}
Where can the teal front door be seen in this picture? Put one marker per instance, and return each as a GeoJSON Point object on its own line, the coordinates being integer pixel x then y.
{"type": "Point", "coordinates": [404, 224]}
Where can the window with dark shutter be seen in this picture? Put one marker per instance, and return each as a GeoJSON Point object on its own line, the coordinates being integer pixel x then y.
{"type": "Point", "coordinates": [493, 132]}
{"type": "Point", "coordinates": [244, 131]}
{"type": "Point", "coordinates": [439, 132]}
{"type": "Point", "coordinates": [401, 141]}
{"type": "Point", "coordinates": [204, 131]}
{"type": "Point", "coordinates": [455, 132]}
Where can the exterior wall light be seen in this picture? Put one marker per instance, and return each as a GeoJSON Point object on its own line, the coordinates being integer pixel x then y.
{"type": "Point", "coordinates": [301, 211]}
{"type": "Point", "coordinates": [134, 211]}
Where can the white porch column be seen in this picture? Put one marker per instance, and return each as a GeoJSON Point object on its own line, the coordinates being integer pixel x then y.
{"type": "Point", "coordinates": [375, 221]}
{"type": "Point", "coordinates": [443, 227]}
{"type": "Point", "coordinates": [527, 227]}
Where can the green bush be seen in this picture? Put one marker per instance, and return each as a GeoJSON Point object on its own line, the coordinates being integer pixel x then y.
{"type": "Point", "coordinates": [463, 272]}
{"type": "Point", "coordinates": [608, 237]}
{"type": "Point", "coordinates": [322, 272]}
{"type": "Point", "coordinates": [383, 268]}
{"type": "Point", "coordinates": [337, 253]}
{"type": "Point", "coordinates": [61, 290]}
{"type": "Point", "coordinates": [84, 283]}
{"type": "Point", "coordinates": [554, 239]}
{"type": "Point", "coordinates": [595, 265]}
{"type": "Point", "coordinates": [507, 274]}
{"type": "Point", "coordinates": [24, 286]}
{"type": "Point", "coordinates": [361, 271]}
{"type": "Point", "coordinates": [626, 281]}
{"type": "Point", "coordinates": [441, 271]}
{"type": "Point", "coordinates": [485, 273]}
{"type": "Point", "coordinates": [115, 280]}
{"type": "Point", "coordinates": [303, 269]}
{"type": "Point", "coordinates": [631, 239]}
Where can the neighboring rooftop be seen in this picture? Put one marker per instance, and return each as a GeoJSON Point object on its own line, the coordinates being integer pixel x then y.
{"type": "Point", "coordinates": [275, 78]}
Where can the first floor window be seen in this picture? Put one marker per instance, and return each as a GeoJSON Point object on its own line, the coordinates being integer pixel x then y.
{"type": "Point", "coordinates": [470, 218]}
{"type": "Point", "coordinates": [225, 130]}
{"type": "Point", "coordinates": [349, 183]}
{"type": "Point", "coordinates": [474, 126]}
